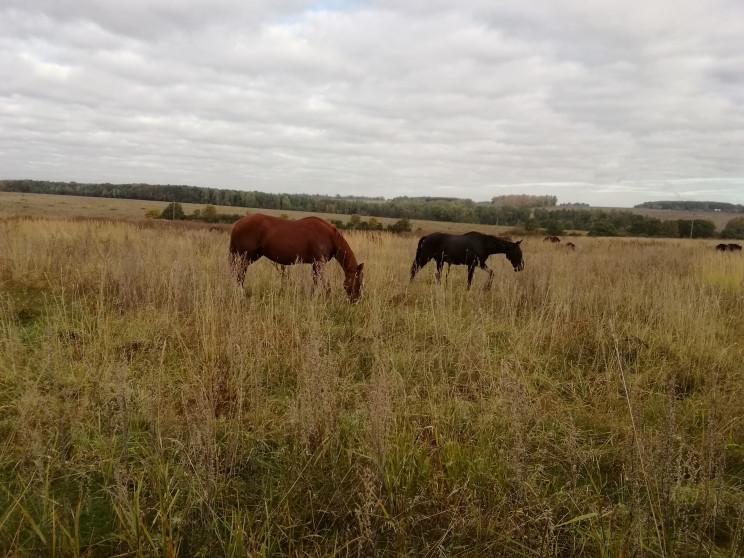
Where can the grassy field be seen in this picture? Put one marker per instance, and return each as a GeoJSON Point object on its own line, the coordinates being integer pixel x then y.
{"type": "Point", "coordinates": [48, 205]}
{"type": "Point", "coordinates": [590, 405]}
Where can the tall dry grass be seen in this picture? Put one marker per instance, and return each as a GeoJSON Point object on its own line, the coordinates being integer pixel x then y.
{"type": "Point", "coordinates": [588, 406]}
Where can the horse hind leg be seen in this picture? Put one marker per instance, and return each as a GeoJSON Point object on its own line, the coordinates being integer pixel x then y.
{"type": "Point", "coordinates": [319, 277]}
{"type": "Point", "coordinates": [239, 264]}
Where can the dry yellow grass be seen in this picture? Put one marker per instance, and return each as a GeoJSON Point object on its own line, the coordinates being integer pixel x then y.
{"type": "Point", "coordinates": [587, 406]}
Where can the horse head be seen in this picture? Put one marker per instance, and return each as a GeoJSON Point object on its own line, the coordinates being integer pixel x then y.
{"type": "Point", "coordinates": [353, 282]}
{"type": "Point", "coordinates": [514, 255]}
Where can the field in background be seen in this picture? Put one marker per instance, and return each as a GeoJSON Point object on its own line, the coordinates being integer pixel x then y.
{"type": "Point", "coordinates": [587, 406]}
{"type": "Point", "coordinates": [49, 205]}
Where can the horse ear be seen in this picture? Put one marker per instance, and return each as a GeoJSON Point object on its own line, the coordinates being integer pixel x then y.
{"type": "Point", "coordinates": [518, 242]}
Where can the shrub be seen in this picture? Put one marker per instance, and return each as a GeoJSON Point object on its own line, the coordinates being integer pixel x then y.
{"type": "Point", "coordinates": [209, 213]}
{"type": "Point", "coordinates": [734, 229]}
{"type": "Point", "coordinates": [602, 227]}
{"type": "Point", "coordinates": [401, 225]}
{"type": "Point", "coordinates": [555, 228]}
{"type": "Point", "coordinates": [152, 213]}
{"type": "Point", "coordinates": [173, 211]}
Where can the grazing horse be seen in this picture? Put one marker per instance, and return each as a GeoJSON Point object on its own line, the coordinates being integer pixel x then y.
{"type": "Point", "coordinates": [553, 239]}
{"type": "Point", "coordinates": [734, 247]}
{"type": "Point", "coordinates": [471, 249]}
{"type": "Point", "coordinates": [310, 240]}
{"type": "Point", "coordinates": [571, 245]}
{"type": "Point", "coordinates": [722, 247]}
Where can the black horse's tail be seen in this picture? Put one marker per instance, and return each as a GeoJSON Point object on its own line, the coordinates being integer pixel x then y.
{"type": "Point", "coordinates": [417, 259]}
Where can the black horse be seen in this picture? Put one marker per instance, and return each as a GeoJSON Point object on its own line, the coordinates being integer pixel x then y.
{"type": "Point", "coordinates": [729, 247]}
{"type": "Point", "coordinates": [471, 249]}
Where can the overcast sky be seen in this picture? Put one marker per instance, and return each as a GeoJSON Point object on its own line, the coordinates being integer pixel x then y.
{"type": "Point", "coordinates": [607, 103]}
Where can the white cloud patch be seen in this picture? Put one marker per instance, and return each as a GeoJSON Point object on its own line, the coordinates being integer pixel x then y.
{"type": "Point", "coordinates": [603, 102]}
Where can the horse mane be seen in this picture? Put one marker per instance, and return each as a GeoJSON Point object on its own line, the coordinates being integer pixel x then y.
{"type": "Point", "coordinates": [343, 252]}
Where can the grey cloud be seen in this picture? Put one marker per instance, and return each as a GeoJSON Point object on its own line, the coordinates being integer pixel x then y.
{"type": "Point", "coordinates": [383, 98]}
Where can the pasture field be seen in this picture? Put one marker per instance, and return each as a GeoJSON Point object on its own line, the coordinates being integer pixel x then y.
{"type": "Point", "coordinates": [590, 405]}
{"type": "Point", "coordinates": [14, 204]}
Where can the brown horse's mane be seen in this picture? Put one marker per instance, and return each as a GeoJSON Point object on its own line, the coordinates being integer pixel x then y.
{"type": "Point", "coordinates": [343, 253]}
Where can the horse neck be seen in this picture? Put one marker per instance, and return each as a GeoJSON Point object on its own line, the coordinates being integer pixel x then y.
{"type": "Point", "coordinates": [498, 245]}
{"type": "Point", "coordinates": [344, 254]}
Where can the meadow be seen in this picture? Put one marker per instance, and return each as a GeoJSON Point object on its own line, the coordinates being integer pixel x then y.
{"type": "Point", "coordinates": [590, 405]}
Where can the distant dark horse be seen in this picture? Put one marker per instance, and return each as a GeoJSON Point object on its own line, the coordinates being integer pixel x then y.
{"type": "Point", "coordinates": [729, 247]}
{"type": "Point", "coordinates": [571, 245]}
{"type": "Point", "coordinates": [551, 239]}
{"type": "Point", "coordinates": [471, 249]}
{"type": "Point", "coordinates": [309, 240]}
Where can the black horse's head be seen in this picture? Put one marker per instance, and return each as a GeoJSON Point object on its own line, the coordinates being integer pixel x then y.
{"type": "Point", "coordinates": [514, 255]}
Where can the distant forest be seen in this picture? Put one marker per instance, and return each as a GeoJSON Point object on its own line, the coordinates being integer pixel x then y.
{"type": "Point", "coordinates": [423, 208]}
{"type": "Point", "coordinates": [530, 213]}
{"type": "Point", "coordinates": [693, 206]}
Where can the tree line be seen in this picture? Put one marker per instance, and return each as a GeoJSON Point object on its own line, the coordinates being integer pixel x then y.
{"type": "Point", "coordinates": [532, 213]}
{"type": "Point", "coordinates": [209, 214]}
{"type": "Point", "coordinates": [678, 205]}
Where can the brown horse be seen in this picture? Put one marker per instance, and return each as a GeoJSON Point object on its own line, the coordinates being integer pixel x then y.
{"type": "Point", "coordinates": [551, 239]}
{"type": "Point", "coordinates": [309, 240]}
{"type": "Point", "coordinates": [571, 245]}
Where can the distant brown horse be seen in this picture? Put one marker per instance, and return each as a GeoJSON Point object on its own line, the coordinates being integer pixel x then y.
{"type": "Point", "coordinates": [551, 239]}
{"type": "Point", "coordinates": [571, 245]}
{"type": "Point", "coordinates": [309, 240]}
{"type": "Point", "coordinates": [734, 247]}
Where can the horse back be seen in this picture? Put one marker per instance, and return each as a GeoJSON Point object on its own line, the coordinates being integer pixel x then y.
{"type": "Point", "coordinates": [282, 240]}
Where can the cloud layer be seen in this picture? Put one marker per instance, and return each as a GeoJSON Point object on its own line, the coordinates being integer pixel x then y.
{"type": "Point", "coordinates": [610, 103]}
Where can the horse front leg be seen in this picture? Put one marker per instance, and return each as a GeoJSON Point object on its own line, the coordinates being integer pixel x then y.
{"type": "Point", "coordinates": [489, 283]}
{"type": "Point", "coordinates": [440, 266]}
{"type": "Point", "coordinates": [471, 271]}
{"type": "Point", "coordinates": [417, 265]}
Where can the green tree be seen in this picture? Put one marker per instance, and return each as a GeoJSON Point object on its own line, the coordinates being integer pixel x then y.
{"type": "Point", "coordinates": [669, 229]}
{"type": "Point", "coordinates": [401, 225]}
{"type": "Point", "coordinates": [555, 228]}
{"type": "Point", "coordinates": [173, 211]}
{"type": "Point", "coordinates": [603, 227]}
{"type": "Point", "coordinates": [697, 228]}
{"type": "Point", "coordinates": [354, 222]}
{"type": "Point", "coordinates": [374, 224]}
{"type": "Point", "coordinates": [531, 225]}
{"type": "Point", "coordinates": [734, 229]}
{"type": "Point", "coordinates": [209, 213]}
